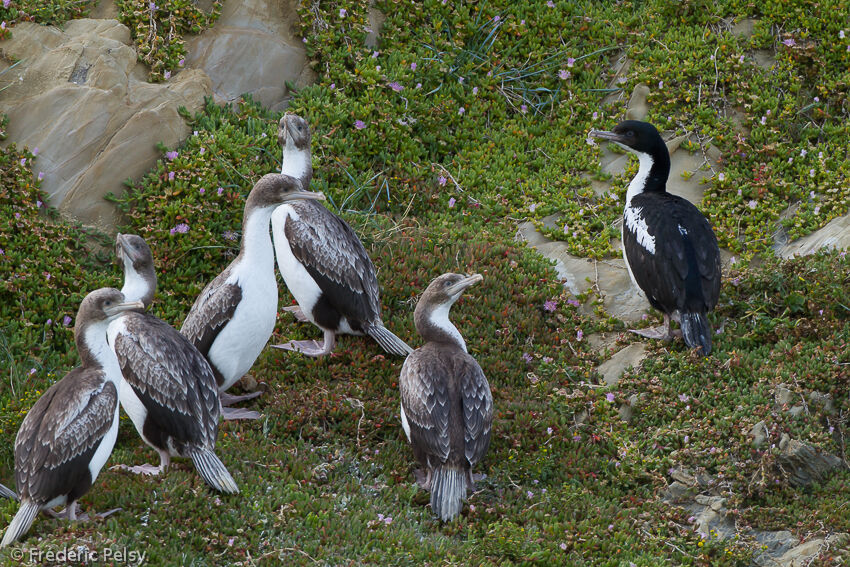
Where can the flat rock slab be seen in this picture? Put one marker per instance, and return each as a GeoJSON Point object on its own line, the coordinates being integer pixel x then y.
{"type": "Point", "coordinates": [612, 369]}
{"type": "Point", "coordinates": [252, 49]}
{"type": "Point", "coordinates": [81, 98]}
{"type": "Point", "coordinates": [836, 234]}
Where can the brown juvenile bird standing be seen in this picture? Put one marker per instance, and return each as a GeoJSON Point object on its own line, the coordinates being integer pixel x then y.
{"type": "Point", "coordinates": [446, 404]}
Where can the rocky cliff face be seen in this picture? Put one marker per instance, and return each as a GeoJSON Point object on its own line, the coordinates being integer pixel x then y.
{"type": "Point", "coordinates": [80, 96]}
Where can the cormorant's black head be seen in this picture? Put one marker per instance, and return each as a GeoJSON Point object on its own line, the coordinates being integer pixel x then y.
{"type": "Point", "coordinates": [274, 189]}
{"type": "Point", "coordinates": [635, 136]}
{"type": "Point", "coordinates": [292, 129]}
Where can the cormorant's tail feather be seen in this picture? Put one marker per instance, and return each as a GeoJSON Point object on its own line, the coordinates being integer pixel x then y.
{"type": "Point", "coordinates": [21, 522]}
{"type": "Point", "coordinates": [696, 331]}
{"type": "Point", "coordinates": [8, 493]}
{"type": "Point", "coordinates": [213, 471]}
{"type": "Point", "coordinates": [448, 491]}
{"type": "Point", "coordinates": [388, 341]}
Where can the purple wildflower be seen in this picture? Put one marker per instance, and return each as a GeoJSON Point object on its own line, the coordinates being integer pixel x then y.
{"type": "Point", "coordinates": [497, 18]}
{"type": "Point", "coordinates": [752, 204]}
{"type": "Point", "coordinates": [220, 191]}
{"type": "Point", "coordinates": [579, 335]}
{"type": "Point", "coordinates": [595, 115]}
{"type": "Point", "coordinates": [610, 397]}
{"type": "Point", "coordinates": [550, 305]}
{"type": "Point", "coordinates": [49, 322]}
{"type": "Point", "coordinates": [181, 62]}
{"type": "Point", "coordinates": [7, 2]}
{"type": "Point", "coordinates": [523, 108]}
{"type": "Point", "coordinates": [550, 4]}
{"type": "Point", "coordinates": [475, 90]}
{"type": "Point", "coordinates": [171, 176]}
{"type": "Point", "coordinates": [342, 12]}
{"type": "Point", "coordinates": [441, 180]}
{"type": "Point", "coordinates": [721, 176]}
{"type": "Point", "coordinates": [563, 74]}
{"type": "Point", "coordinates": [375, 54]}
{"type": "Point", "coordinates": [573, 302]}
{"type": "Point", "coordinates": [202, 190]}
{"type": "Point", "coordinates": [32, 371]}
{"type": "Point", "coordinates": [418, 85]}
{"type": "Point", "coordinates": [790, 42]}
{"type": "Point", "coordinates": [413, 66]}
{"type": "Point", "coordinates": [152, 6]}
{"type": "Point", "coordinates": [840, 33]}
{"type": "Point", "coordinates": [38, 203]}
{"type": "Point", "coordinates": [167, 75]}
{"type": "Point", "coordinates": [35, 151]}
{"type": "Point", "coordinates": [332, 86]}
{"type": "Point", "coordinates": [182, 228]}
{"type": "Point", "coordinates": [172, 155]}
{"type": "Point", "coordinates": [229, 235]}
{"type": "Point", "coordinates": [461, 110]}
{"type": "Point", "coordinates": [203, 150]}
{"type": "Point", "coordinates": [23, 161]}
{"type": "Point", "coordinates": [571, 61]}
{"type": "Point", "coordinates": [359, 124]}
{"type": "Point", "coordinates": [452, 202]}
{"type": "Point", "coordinates": [563, 546]}
{"type": "Point", "coordinates": [683, 397]}
{"type": "Point", "coordinates": [529, 494]}
{"type": "Point", "coordinates": [527, 357]}
{"type": "Point", "coordinates": [66, 320]}
{"type": "Point", "coordinates": [396, 87]}
{"type": "Point", "coordinates": [40, 175]}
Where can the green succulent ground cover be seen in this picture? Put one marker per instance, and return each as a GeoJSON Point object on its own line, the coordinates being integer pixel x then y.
{"type": "Point", "coordinates": [326, 475]}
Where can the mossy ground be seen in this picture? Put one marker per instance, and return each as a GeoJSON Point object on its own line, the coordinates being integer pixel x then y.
{"type": "Point", "coordinates": [433, 146]}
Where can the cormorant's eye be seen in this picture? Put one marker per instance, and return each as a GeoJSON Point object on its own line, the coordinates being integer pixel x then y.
{"type": "Point", "coordinates": [630, 133]}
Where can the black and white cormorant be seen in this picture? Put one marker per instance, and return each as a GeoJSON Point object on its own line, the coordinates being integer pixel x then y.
{"type": "Point", "coordinates": [669, 247]}
{"type": "Point", "coordinates": [446, 404]}
{"type": "Point", "coordinates": [68, 435]}
{"type": "Point", "coordinates": [167, 387]}
{"type": "Point", "coordinates": [234, 316]}
{"type": "Point", "coordinates": [323, 262]}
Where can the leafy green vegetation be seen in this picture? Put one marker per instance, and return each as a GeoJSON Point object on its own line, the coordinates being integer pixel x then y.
{"type": "Point", "coordinates": [465, 120]}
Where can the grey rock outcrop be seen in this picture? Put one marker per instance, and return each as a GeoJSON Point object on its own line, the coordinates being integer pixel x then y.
{"type": "Point", "coordinates": [81, 98]}
{"type": "Point", "coordinates": [252, 49]}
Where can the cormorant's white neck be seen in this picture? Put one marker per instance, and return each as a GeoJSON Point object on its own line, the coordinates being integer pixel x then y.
{"type": "Point", "coordinates": [257, 249]}
{"type": "Point", "coordinates": [96, 351]}
{"type": "Point", "coordinates": [638, 184]}
{"type": "Point", "coordinates": [136, 286]}
{"type": "Point", "coordinates": [297, 164]}
{"type": "Point", "coordinates": [439, 319]}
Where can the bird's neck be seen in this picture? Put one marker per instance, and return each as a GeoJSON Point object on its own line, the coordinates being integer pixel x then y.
{"type": "Point", "coordinates": [256, 248]}
{"type": "Point", "coordinates": [653, 171]}
{"type": "Point", "coordinates": [434, 325]}
{"type": "Point", "coordinates": [298, 164]}
{"type": "Point", "coordinates": [94, 350]}
{"type": "Point", "coordinates": [138, 286]}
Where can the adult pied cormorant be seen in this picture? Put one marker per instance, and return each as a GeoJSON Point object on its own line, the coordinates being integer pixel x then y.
{"type": "Point", "coordinates": [68, 435]}
{"type": "Point", "coordinates": [323, 262]}
{"type": "Point", "coordinates": [446, 404]}
{"type": "Point", "coordinates": [670, 249]}
{"type": "Point", "coordinates": [234, 316]}
{"type": "Point", "coordinates": [167, 387]}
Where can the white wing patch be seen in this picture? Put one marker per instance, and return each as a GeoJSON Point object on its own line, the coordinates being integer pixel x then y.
{"type": "Point", "coordinates": [635, 222]}
{"type": "Point", "coordinates": [683, 231]}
